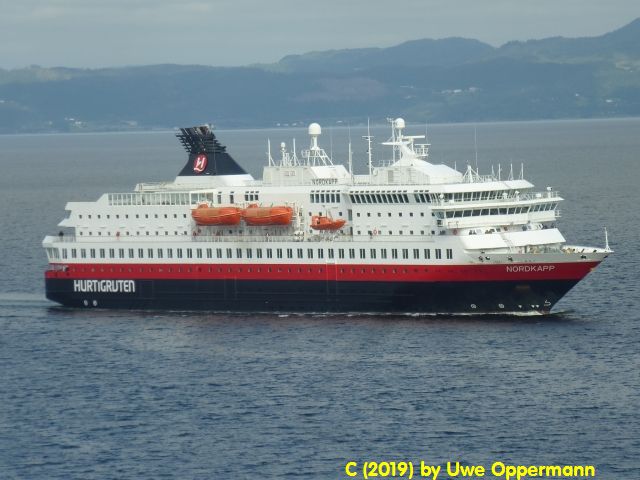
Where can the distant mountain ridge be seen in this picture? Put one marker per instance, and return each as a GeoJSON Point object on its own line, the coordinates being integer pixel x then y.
{"type": "Point", "coordinates": [452, 79]}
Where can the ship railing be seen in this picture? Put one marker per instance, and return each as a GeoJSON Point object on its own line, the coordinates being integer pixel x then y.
{"type": "Point", "coordinates": [149, 198]}
{"type": "Point", "coordinates": [271, 238]}
{"type": "Point", "coordinates": [60, 238]}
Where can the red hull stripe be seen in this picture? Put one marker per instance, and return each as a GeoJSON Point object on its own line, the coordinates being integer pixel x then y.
{"type": "Point", "coordinates": [365, 273]}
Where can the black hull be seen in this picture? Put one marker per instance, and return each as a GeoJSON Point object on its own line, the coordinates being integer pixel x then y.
{"type": "Point", "coordinates": [321, 296]}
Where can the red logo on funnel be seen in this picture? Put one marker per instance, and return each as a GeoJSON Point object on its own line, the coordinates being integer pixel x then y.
{"type": "Point", "coordinates": [200, 163]}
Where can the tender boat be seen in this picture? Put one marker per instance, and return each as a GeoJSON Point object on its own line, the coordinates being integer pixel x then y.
{"type": "Point", "coordinates": [258, 216]}
{"type": "Point", "coordinates": [207, 215]}
{"type": "Point", "coordinates": [320, 222]}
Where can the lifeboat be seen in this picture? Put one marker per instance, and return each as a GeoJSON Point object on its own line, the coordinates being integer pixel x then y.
{"type": "Point", "coordinates": [206, 215]}
{"type": "Point", "coordinates": [256, 215]}
{"type": "Point", "coordinates": [320, 222]}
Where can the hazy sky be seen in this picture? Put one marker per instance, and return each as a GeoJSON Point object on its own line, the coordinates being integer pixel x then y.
{"type": "Point", "coordinates": [95, 33]}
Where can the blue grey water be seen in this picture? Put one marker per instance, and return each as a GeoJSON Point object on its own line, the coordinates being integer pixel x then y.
{"type": "Point", "coordinates": [121, 394]}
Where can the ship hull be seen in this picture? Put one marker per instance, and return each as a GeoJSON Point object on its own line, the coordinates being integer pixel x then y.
{"type": "Point", "coordinates": [233, 295]}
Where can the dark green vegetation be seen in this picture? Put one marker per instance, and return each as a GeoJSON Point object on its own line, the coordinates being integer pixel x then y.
{"type": "Point", "coordinates": [445, 80]}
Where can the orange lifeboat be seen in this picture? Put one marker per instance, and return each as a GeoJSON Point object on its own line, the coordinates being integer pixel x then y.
{"type": "Point", "coordinates": [255, 215]}
{"type": "Point", "coordinates": [320, 222]}
{"type": "Point", "coordinates": [206, 215]}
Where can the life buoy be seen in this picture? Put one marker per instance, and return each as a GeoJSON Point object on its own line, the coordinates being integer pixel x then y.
{"type": "Point", "coordinates": [375, 231]}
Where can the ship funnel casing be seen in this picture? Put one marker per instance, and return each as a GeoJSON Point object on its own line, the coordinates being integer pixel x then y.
{"type": "Point", "coordinates": [207, 157]}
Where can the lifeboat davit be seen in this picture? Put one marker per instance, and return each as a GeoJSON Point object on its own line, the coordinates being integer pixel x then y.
{"type": "Point", "coordinates": [320, 222]}
{"type": "Point", "coordinates": [206, 215]}
{"type": "Point", "coordinates": [255, 215]}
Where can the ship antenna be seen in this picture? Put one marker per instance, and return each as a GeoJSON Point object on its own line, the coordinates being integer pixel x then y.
{"type": "Point", "coordinates": [269, 157]}
{"type": "Point", "coordinates": [606, 240]}
{"type": "Point", "coordinates": [368, 139]}
{"type": "Point", "coordinates": [331, 142]}
{"type": "Point", "coordinates": [475, 145]}
{"type": "Point", "coordinates": [295, 155]}
{"type": "Point", "coordinates": [350, 156]}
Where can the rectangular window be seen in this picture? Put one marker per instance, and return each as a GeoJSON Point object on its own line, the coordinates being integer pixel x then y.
{"type": "Point", "coordinates": [131, 254]}
{"type": "Point", "coordinates": [363, 253]}
{"type": "Point", "coordinates": [249, 253]}
{"type": "Point", "coordinates": [394, 253]}
{"type": "Point", "coordinates": [209, 252]}
{"type": "Point", "coordinates": [218, 253]}
{"type": "Point", "coordinates": [449, 253]}
{"type": "Point", "coordinates": [300, 253]}
{"type": "Point", "coordinates": [112, 253]}
{"type": "Point", "coordinates": [427, 253]}
{"type": "Point", "coordinates": [330, 251]}
{"type": "Point", "coordinates": [405, 253]}
{"type": "Point", "coordinates": [309, 252]}
{"type": "Point", "coordinates": [141, 253]}
{"type": "Point", "coordinates": [238, 253]}
{"type": "Point", "coordinates": [383, 253]}
{"type": "Point", "coordinates": [83, 253]}
{"type": "Point", "coordinates": [438, 253]}
{"type": "Point", "coordinates": [189, 253]}
{"type": "Point", "coordinates": [102, 254]}
{"type": "Point", "coordinates": [372, 253]}
{"type": "Point", "coordinates": [179, 252]}
{"type": "Point", "coordinates": [150, 252]}
{"type": "Point", "coordinates": [258, 253]}
{"type": "Point", "coordinates": [74, 253]}
{"type": "Point", "coordinates": [269, 253]}
{"type": "Point", "coordinates": [289, 252]}
{"type": "Point", "coordinates": [229, 253]}
{"type": "Point", "coordinates": [278, 252]}
{"type": "Point", "coordinates": [121, 253]}
{"type": "Point", "coordinates": [169, 252]}
{"type": "Point", "coordinates": [341, 253]}
{"type": "Point", "coordinates": [320, 253]}
{"type": "Point", "coordinates": [416, 253]}
{"type": "Point", "coordinates": [160, 253]}
{"type": "Point", "coordinates": [352, 253]}
{"type": "Point", "coordinates": [199, 253]}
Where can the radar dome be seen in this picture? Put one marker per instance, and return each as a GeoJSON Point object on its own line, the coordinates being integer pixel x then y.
{"type": "Point", "coordinates": [314, 129]}
{"type": "Point", "coordinates": [399, 123]}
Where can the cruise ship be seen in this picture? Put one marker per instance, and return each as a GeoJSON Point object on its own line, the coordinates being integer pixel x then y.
{"type": "Point", "coordinates": [409, 236]}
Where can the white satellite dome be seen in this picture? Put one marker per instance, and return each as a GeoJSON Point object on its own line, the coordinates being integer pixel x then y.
{"type": "Point", "coordinates": [314, 129]}
{"type": "Point", "coordinates": [399, 122]}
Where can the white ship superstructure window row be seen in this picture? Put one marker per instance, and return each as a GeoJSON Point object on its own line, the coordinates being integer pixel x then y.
{"type": "Point", "coordinates": [374, 197]}
{"type": "Point", "coordinates": [476, 212]}
{"type": "Point", "coordinates": [248, 253]}
{"type": "Point", "coordinates": [332, 196]}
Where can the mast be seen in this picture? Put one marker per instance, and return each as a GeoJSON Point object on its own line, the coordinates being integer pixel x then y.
{"type": "Point", "coordinates": [350, 156]}
{"type": "Point", "coordinates": [368, 138]}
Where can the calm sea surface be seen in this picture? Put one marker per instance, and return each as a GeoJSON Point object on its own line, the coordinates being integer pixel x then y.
{"type": "Point", "coordinates": [102, 394]}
